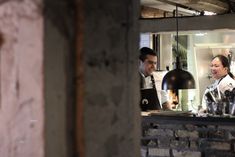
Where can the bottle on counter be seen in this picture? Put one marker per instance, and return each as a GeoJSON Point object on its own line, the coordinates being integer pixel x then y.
{"type": "Point", "coordinates": [229, 99]}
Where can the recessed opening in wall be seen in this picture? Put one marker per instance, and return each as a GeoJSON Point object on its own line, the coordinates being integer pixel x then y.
{"type": "Point", "coordinates": [197, 47]}
{"type": "Point", "coordinates": [196, 50]}
{"type": "Point", "coordinates": [164, 132]}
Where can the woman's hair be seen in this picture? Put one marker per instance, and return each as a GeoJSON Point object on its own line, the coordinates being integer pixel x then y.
{"type": "Point", "coordinates": [225, 62]}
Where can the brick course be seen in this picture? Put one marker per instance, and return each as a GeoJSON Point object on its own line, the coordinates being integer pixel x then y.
{"type": "Point", "coordinates": [189, 140]}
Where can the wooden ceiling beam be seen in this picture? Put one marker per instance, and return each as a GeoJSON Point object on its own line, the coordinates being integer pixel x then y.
{"type": "Point", "coordinates": [214, 22]}
{"type": "Point", "coordinates": [148, 12]}
{"type": "Point", "coordinates": [215, 6]}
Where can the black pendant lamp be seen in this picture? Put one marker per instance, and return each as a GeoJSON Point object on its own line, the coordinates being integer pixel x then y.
{"type": "Point", "coordinates": [178, 78]}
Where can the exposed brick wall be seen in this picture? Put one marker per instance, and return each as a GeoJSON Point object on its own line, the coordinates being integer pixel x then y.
{"type": "Point", "coordinates": [187, 140]}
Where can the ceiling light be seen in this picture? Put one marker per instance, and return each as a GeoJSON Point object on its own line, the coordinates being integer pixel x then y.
{"type": "Point", "coordinates": [178, 78]}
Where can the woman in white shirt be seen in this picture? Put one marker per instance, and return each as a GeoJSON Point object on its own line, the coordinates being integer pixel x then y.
{"type": "Point", "coordinates": [223, 78]}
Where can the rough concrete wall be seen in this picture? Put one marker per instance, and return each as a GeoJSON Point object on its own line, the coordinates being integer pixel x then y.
{"type": "Point", "coordinates": [111, 78]}
{"type": "Point", "coordinates": [58, 63]}
{"type": "Point", "coordinates": [21, 110]}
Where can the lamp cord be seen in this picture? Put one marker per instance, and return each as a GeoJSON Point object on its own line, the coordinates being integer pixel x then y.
{"type": "Point", "coordinates": [177, 29]}
{"type": "Point", "coordinates": [177, 39]}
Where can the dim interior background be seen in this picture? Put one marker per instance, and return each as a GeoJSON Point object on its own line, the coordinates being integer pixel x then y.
{"type": "Point", "coordinates": [196, 49]}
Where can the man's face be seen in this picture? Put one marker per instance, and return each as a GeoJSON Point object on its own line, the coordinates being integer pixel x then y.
{"type": "Point", "coordinates": [148, 65]}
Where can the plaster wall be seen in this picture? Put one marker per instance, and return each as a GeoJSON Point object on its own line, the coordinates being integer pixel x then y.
{"type": "Point", "coordinates": [21, 79]}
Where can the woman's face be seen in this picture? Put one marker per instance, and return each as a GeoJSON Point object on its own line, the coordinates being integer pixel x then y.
{"type": "Point", "coordinates": [217, 69]}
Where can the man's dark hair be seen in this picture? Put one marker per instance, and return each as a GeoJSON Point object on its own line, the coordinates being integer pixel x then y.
{"type": "Point", "coordinates": [144, 51]}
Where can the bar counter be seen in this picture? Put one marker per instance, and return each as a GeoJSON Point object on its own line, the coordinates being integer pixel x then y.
{"type": "Point", "coordinates": [223, 120]}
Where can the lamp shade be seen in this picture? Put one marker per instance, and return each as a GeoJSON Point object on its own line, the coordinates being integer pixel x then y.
{"type": "Point", "coordinates": [178, 79]}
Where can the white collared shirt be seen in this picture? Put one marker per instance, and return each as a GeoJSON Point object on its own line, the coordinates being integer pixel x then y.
{"type": "Point", "coordinates": [226, 83]}
{"type": "Point", "coordinates": [147, 84]}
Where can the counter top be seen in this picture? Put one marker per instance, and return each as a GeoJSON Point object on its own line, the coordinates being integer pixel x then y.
{"type": "Point", "coordinates": [188, 119]}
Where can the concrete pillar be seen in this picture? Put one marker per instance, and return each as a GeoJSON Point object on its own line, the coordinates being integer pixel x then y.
{"type": "Point", "coordinates": [59, 78]}
{"type": "Point", "coordinates": [111, 109]}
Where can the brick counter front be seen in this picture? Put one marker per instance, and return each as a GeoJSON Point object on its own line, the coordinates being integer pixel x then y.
{"type": "Point", "coordinates": [164, 136]}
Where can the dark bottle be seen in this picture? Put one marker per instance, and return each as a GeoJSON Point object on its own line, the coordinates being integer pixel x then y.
{"type": "Point", "coordinates": [227, 99]}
